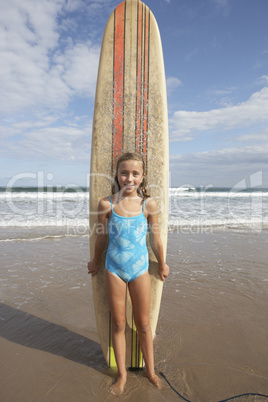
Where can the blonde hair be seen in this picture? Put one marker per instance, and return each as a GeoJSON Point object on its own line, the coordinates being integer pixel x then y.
{"type": "Point", "coordinates": [133, 156]}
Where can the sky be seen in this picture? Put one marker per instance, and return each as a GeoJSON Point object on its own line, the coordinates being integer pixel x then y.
{"type": "Point", "coordinates": [216, 63]}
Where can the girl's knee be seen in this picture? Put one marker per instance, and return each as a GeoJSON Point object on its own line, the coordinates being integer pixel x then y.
{"type": "Point", "coordinates": [118, 325]}
{"type": "Point", "coordinates": [143, 327]}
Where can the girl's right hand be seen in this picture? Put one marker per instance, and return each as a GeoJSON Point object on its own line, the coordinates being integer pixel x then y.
{"type": "Point", "coordinates": [163, 271]}
{"type": "Point", "coordinates": [93, 268]}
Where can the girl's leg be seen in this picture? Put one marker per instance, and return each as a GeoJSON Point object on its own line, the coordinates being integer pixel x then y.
{"type": "Point", "coordinates": [116, 290]}
{"type": "Point", "coordinates": [140, 292]}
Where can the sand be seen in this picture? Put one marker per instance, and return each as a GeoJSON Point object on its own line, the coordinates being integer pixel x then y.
{"type": "Point", "coordinates": [211, 340]}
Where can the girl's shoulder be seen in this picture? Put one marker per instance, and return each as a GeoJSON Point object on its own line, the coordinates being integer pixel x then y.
{"type": "Point", "coordinates": [105, 204]}
{"type": "Point", "coordinates": [151, 205]}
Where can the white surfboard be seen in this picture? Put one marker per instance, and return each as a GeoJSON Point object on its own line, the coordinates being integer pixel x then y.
{"type": "Point", "coordinates": [130, 115]}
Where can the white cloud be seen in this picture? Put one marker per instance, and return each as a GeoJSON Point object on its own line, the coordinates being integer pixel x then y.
{"type": "Point", "coordinates": [259, 137]}
{"type": "Point", "coordinates": [263, 79]}
{"type": "Point", "coordinates": [37, 71]}
{"type": "Point", "coordinates": [79, 66]}
{"type": "Point", "coordinates": [221, 97]}
{"type": "Point", "coordinates": [44, 66]}
{"type": "Point", "coordinates": [186, 124]}
{"type": "Point", "coordinates": [73, 5]}
{"type": "Point", "coordinates": [172, 83]}
{"type": "Point", "coordinates": [230, 156]}
{"type": "Point", "coordinates": [95, 7]}
{"type": "Point", "coordinates": [69, 143]}
{"type": "Point", "coordinates": [228, 165]}
{"type": "Point", "coordinates": [224, 167]}
{"type": "Point", "coordinates": [220, 92]}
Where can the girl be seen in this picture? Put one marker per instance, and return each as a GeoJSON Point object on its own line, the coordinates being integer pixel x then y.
{"type": "Point", "coordinates": [127, 212]}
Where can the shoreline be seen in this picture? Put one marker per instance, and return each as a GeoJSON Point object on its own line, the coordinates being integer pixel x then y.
{"type": "Point", "coordinates": [211, 339]}
{"type": "Point", "coordinates": [40, 233]}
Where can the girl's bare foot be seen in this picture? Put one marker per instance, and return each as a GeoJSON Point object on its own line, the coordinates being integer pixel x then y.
{"type": "Point", "coordinates": [118, 387]}
{"type": "Point", "coordinates": [155, 380]}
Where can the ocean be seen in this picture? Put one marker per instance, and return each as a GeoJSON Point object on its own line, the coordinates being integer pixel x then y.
{"type": "Point", "coordinates": [31, 213]}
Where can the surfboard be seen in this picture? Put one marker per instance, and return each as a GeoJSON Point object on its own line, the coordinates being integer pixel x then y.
{"type": "Point", "coordinates": [130, 115]}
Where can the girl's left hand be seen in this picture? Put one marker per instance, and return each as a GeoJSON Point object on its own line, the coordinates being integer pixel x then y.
{"type": "Point", "coordinates": [93, 268]}
{"type": "Point", "coordinates": [163, 272]}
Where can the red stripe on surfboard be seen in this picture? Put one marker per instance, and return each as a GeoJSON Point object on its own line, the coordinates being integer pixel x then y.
{"type": "Point", "coordinates": [139, 77]}
{"type": "Point", "coordinates": [142, 72]}
{"type": "Point", "coordinates": [118, 78]}
{"type": "Point", "coordinates": [146, 82]}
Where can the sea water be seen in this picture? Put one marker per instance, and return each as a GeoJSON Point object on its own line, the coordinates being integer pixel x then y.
{"type": "Point", "coordinates": [29, 213]}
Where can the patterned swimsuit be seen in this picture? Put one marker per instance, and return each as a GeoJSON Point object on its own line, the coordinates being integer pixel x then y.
{"type": "Point", "coordinates": [127, 254]}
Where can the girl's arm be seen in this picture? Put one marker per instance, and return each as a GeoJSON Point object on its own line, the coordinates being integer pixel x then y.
{"type": "Point", "coordinates": [155, 239]}
{"type": "Point", "coordinates": [101, 239]}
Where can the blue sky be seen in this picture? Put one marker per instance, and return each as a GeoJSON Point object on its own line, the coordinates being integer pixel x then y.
{"type": "Point", "coordinates": [216, 61]}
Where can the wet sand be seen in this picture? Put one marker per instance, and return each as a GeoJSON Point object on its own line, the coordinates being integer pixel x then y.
{"type": "Point", "coordinates": [211, 340]}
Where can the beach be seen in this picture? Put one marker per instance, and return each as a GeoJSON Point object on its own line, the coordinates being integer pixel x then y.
{"type": "Point", "coordinates": [211, 340]}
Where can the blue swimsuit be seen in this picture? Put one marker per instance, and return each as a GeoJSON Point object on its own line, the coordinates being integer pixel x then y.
{"type": "Point", "coordinates": [127, 254]}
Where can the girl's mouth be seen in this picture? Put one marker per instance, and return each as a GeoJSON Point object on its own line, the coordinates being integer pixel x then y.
{"type": "Point", "coordinates": [129, 186]}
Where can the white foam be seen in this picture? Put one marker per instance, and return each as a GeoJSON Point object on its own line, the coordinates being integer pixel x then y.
{"type": "Point", "coordinates": [43, 195]}
{"type": "Point", "coordinates": [183, 192]}
{"type": "Point", "coordinates": [69, 211]}
{"type": "Point", "coordinates": [33, 239]}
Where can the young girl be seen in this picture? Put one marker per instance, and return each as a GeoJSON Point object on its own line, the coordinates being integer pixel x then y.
{"type": "Point", "coordinates": [127, 212]}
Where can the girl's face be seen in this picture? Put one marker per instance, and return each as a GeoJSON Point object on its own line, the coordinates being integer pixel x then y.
{"type": "Point", "coordinates": [130, 175]}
